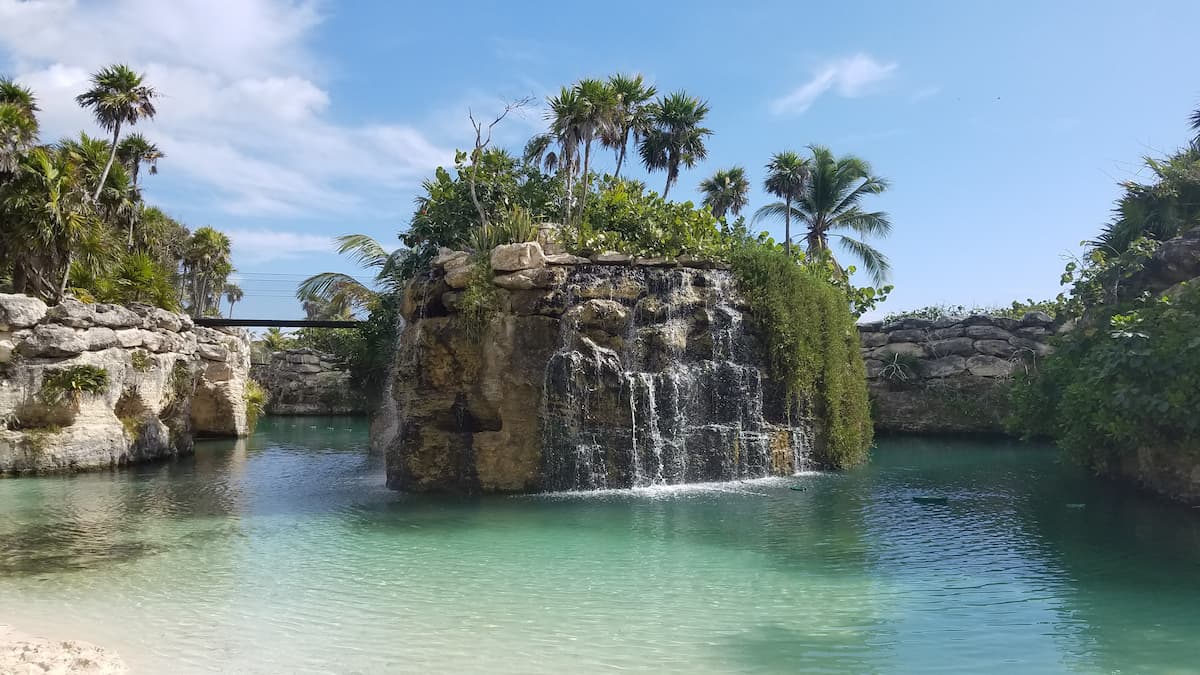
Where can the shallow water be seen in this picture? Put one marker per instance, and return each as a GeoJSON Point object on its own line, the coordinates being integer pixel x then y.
{"type": "Point", "coordinates": [285, 553]}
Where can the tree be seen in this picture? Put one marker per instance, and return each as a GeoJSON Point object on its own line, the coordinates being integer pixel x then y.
{"type": "Point", "coordinates": [1195, 121]}
{"type": "Point", "coordinates": [274, 340]}
{"type": "Point", "coordinates": [630, 116]}
{"type": "Point", "coordinates": [675, 137]}
{"type": "Point", "coordinates": [566, 114]}
{"type": "Point", "coordinates": [341, 293]}
{"type": "Point", "coordinates": [118, 96]}
{"type": "Point", "coordinates": [787, 176]}
{"type": "Point", "coordinates": [483, 138]}
{"type": "Point", "coordinates": [831, 201]}
{"type": "Point", "coordinates": [1159, 210]}
{"type": "Point", "coordinates": [539, 153]}
{"type": "Point", "coordinates": [598, 111]}
{"type": "Point", "coordinates": [727, 190]}
{"type": "Point", "coordinates": [135, 151]}
{"type": "Point", "coordinates": [18, 124]}
{"type": "Point", "coordinates": [234, 294]}
{"type": "Point", "coordinates": [48, 221]}
{"type": "Point", "coordinates": [206, 262]}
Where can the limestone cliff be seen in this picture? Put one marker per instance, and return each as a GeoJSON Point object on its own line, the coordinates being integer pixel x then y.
{"type": "Point", "coordinates": [86, 386]}
{"type": "Point", "coordinates": [951, 375]}
{"type": "Point", "coordinates": [307, 382]}
{"type": "Point", "coordinates": [582, 375]}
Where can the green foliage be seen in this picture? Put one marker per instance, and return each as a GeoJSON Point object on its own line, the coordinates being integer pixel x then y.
{"type": "Point", "coordinates": [72, 382]}
{"type": "Point", "coordinates": [901, 369]}
{"type": "Point", "coordinates": [137, 277]}
{"type": "Point", "coordinates": [275, 340]}
{"type": "Point", "coordinates": [1016, 310]}
{"type": "Point", "coordinates": [1165, 208]}
{"type": "Point", "coordinates": [625, 217]}
{"type": "Point", "coordinates": [256, 403]}
{"type": "Point", "coordinates": [1121, 383]}
{"type": "Point", "coordinates": [515, 226]}
{"type": "Point", "coordinates": [479, 301]}
{"type": "Point", "coordinates": [812, 345]}
{"type": "Point", "coordinates": [140, 359]}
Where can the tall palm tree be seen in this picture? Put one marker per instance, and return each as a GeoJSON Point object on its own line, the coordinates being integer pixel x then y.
{"type": "Point", "coordinates": [599, 105]}
{"type": "Point", "coordinates": [135, 151]}
{"type": "Point", "coordinates": [832, 201]}
{"type": "Point", "coordinates": [118, 200]}
{"type": "Point", "coordinates": [787, 176]}
{"type": "Point", "coordinates": [1195, 121]}
{"type": "Point", "coordinates": [234, 294]}
{"type": "Point", "coordinates": [207, 264]}
{"type": "Point", "coordinates": [118, 96]}
{"type": "Point", "coordinates": [18, 123]}
{"type": "Point", "coordinates": [540, 154]}
{"type": "Point", "coordinates": [567, 113]}
{"type": "Point", "coordinates": [629, 115]}
{"type": "Point", "coordinates": [675, 137]}
{"type": "Point", "coordinates": [727, 190]}
{"type": "Point", "coordinates": [344, 292]}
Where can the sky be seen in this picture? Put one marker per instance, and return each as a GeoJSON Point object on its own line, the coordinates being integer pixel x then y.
{"type": "Point", "coordinates": [1004, 128]}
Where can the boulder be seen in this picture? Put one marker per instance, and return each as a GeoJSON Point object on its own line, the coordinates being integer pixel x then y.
{"type": "Point", "coordinates": [115, 316]}
{"type": "Point", "coordinates": [446, 255]}
{"type": "Point", "coordinates": [6, 350]}
{"type": "Point", "coordinates": [212, 352]}
{"type": "Point", "coordinates": [565, 259]}
{"type": "Point", "coordinates": [71, 312]}
{"type": "Point", "coordinates": [980, 332]}
{"type": "Point", "coordinates": [53, 340]}
{"type": "Point", "coordinates": [524, 280]}
{"type": "Point", "coordinates": [872, 340]}
{"type": "Point", "coordinates": [1000, 348]}
{"type": "Point", "coordinates": [989, 366]}
{"type": "Point", "coordinates": [458, 272]}
{"type": "Point", "coordinates": [907, 335]}
{"type": "Point", "coordinates": [696, 263]}
{"type": "Point", "coordinates": [609, 316]}
{"type": "Point", "coordinates": [893, 349]}
{"type": "Point", "coordinates": [20, 311]}
{"type": "Point", "coordinates": [946, 366]}
{"type": "Point", "coordinates": [1040, 319]}
{"type": "Point", "coordinates": [658, 261]}
{"type": "Point", "coordinates": [99, 338]}
{"type": "Point", "coordinates": [946, 322]}
{"type": "Point", "coordinates": [961, 346]}
{"type": "Point", "coordinates": [870, 327]}
{"type": "Point", "coordinates": [515, 257]}
{"type": "Point", "coordinates": [946, 332]}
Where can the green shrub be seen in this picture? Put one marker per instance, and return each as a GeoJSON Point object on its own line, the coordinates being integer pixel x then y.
{"type": "Point", "coordinates": [72, 382]}
{"type": "Point", "coordinates": [1119, 383]}
{"type": "Point", "coordinates": [623, 216]}
{"type": "Point", "coordinates": [256, 403]}
{"type": "Point", "coordinates": [812, 346]}
{"type": "Point", "coordinates": [1016, 310]}
{"type": "Point", "coordinates": [140, 359]}
{"type": "Point", "coordinates": [514, 227]}
{"type": "Point", "coordinates": [478, 302]}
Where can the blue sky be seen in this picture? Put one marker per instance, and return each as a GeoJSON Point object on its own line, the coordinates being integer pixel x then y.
{"type": "Point", "coordinates": [1003, 127]}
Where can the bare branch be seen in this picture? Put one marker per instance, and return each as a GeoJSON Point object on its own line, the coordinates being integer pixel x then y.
{"type": "Point", "coordinates": [482, 141]}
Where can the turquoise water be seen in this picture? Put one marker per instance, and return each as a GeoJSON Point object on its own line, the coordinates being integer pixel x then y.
{"type": "Point", "coordinates": [285, 553]}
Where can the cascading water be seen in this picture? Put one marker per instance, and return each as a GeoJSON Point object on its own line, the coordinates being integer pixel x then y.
{"type": "Point", "coordinates": [661, 386]}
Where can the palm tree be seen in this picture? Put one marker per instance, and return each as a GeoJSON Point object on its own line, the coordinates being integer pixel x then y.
{"type": "Point", "coordinates": [234, 294]}
{"type": "Point", "coordinates": [539, 153]}
{"type": "Point", "coordinates": [275, 340]}
{"type": "Point", "coordinates": [18, 123]}
{"type": "Point", "coordinates": [787, 176]}
{"type": "Point", "coordinates": [727, 190]}
{"type": "Point", "coordinates": [566, 113]}
{"type": "Point", "coordinates": [118, 96]}
{"type": "Point", "coordinates": [596, 119]}
{"type": "Point", "coordinates": [341, 293]}
{"type": "Point", "coordinates": [135, 151]}
{"type": "Point", "coordinates": [1195, 121]}
{"type": "Point", "coordinates": [831, 201]}
{"type": "Point", "coordinates": [117, 197]}
{"type": "Point", "coordinates": [629, 116]}
{"type": "Point", "coordinates": [206, 262]}
{"type": "Point", "coordinates": [675, 136]}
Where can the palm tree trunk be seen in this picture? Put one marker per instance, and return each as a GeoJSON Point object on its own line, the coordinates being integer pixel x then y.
{"type": "Point", "coordinates": [62, 287]}
{"type": "Point", "coordinates": [621, 155]}
{"type": "Point", "coordinates": [108, 166]}
{"type": "Point", "coordinates": [587, 177]}
{"type": "Point", "coordinates": [787, 227]}
{"type": "Point", "coordinates": [231, 303]}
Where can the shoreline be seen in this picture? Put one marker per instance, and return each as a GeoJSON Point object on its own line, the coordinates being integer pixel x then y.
{"type": "Point", "coordinates": [22, 653]}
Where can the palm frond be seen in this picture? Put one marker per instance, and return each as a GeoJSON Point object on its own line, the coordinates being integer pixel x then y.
{"type": "Point", "coordinates": [873, 260]}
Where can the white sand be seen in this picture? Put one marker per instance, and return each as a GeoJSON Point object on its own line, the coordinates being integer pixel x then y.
{"type": "Point", "coordinates": [22, 654]}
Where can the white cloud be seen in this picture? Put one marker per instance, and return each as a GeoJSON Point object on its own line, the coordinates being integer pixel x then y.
{"type": "Point", "coordinates": [242, 115]}
{"type": "Point", "coordinates": [850, 77]}
{"type": "Point", "coordinates": [257, 246]}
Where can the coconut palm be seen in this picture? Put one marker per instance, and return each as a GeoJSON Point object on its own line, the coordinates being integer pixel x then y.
{"type": "Point", "coordinates": [18, 123]}
{"type": "Point", "coordinates": [344, 292]}
{"type": "Point", "coordinates": [539, 153]}
{"type": "Point", "coordinates": [567, 113]}
{"type": "Point", "coordinates": [118, 96]}
{"type": "Point", "coordinates": [787, 176]}
{"type": "Point", "coordinates": [832, 201]}
{"type": "Point", "coordinates": [135, 151]}
{"type": "Point", "coordinates": [727, 190]}
{"type": "Point", "coordinates": [630, 116]}
{"type": "Point", "coordinates": [675, 137]}
{"type": "Point", "coordinates": [234, 294]}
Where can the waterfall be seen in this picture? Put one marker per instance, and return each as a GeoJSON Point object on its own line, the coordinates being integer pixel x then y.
{"type": "Point", "coordinates": [657, 380]}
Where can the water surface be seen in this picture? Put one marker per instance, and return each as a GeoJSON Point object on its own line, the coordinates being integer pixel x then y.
{"type": "Point", "coordinates": [285, 553]}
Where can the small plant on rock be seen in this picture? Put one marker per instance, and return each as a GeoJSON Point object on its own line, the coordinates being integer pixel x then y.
{"type": "Point", "coordinates": [71, 383]}
{"type": "Point", "coordinates": [902, 369]}
{"type": "Point", "coordinates": [256, 403]}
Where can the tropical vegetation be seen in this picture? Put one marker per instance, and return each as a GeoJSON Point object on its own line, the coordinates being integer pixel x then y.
{"type": "Point", "coordinates": [1125, 378]}
{"type": "Point", "coordinates": [75, 221]}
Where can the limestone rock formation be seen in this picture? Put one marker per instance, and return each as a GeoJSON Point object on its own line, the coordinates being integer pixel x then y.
{"type": "Point", "coordinates": [950, 375]}
{"type": "Point", "coordinates": [599, 375]}
{"type": "Point", "coordinates": [307, 382]}
{"type": "Point", "coordinates": [86, 386]}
